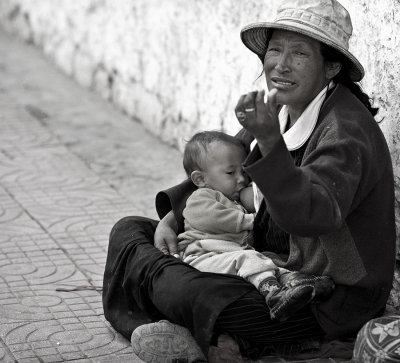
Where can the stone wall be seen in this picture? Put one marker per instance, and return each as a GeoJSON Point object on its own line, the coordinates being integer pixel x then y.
{"type": "Point", "coordinates": [179, 66]}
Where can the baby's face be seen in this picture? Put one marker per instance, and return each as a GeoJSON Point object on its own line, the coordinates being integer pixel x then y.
{"type": "Point", "coordinates": [223, 169]}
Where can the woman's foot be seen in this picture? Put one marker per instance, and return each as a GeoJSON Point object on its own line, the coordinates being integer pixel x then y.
{"type": "Point", "coordinates": [284, 302]}
{"type": "Point", "coordinates": [164, 342]}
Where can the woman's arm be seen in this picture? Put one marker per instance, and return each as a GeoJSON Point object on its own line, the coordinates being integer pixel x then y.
{"type": "Point", "coordinates": [313, 199]}
{"type": "Point", "coordinates": [165, 236]}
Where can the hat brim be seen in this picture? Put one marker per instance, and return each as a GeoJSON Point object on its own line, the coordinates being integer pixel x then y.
{"type": "Point", "coordinates": [255, 36]}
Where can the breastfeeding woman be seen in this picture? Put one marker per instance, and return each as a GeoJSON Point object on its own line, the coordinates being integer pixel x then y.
{"type": "Point", "coordinates": [325, 197]}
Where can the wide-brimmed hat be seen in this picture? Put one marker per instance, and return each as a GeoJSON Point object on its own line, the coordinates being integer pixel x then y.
{"type": "Point", "coordinates": [324, 20]}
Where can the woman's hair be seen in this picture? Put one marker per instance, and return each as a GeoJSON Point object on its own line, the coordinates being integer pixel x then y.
{"type": "Point", "coordinates": [196, 148]}
{"type": "Point", "coordinates": [332, 55]}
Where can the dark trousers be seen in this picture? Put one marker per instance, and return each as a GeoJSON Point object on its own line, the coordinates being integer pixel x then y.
{"type": "Point", "coordinates": [141, 284]}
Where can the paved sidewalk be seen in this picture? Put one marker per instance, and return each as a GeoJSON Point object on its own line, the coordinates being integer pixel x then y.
{"type": "Point", "coordinates": [70, 166]}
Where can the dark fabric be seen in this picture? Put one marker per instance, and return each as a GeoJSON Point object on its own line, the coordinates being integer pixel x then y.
{"type": "Point", "coordinates": [248, 320]}
{"type": "Point", "coordinates": [338, 208]}
{"type": "Point", "coordinates": [141, 284]}
{"type": "Point", "coordinates": [120, 308]}
{"type": "Point", "coordinates": [298, 338]}
{"type": "Point", "coordinates": [267, 235]}
{"type": "Point", "coordinates": [175, 199]}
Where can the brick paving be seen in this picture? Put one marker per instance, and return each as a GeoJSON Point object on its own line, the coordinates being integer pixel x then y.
{"type": "Point", "coordinates": [71, 165]}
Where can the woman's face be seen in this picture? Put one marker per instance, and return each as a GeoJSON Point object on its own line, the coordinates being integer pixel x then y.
{"type": "Point", "coordinates": [293, 64]}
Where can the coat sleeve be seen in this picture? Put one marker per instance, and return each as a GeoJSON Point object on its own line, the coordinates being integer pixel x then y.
{"type": "Point", "coordinates": [174, 199]}
{"type": "Point", "coordinates": [316, 197]}
{"type": "Point", "coordinates": [213, 213]}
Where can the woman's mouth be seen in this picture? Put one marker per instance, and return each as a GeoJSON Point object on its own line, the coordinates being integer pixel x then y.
{"type": "Point", "coordinates": [281, 83]}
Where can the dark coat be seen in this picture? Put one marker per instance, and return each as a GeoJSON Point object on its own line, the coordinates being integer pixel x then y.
{"type": "Point", "coordinates": [337, 206]}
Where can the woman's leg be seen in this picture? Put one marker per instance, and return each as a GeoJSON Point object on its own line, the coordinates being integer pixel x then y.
{"type": "Point", "coordinates": [248, 321]}
{"type": "Point", "coordinates": [120, 309]}
{"type": "Point", "coordinates": [143, 284]}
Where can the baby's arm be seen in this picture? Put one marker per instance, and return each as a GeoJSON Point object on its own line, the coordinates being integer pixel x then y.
{"type": "Point", "coordinates": [247, 199]}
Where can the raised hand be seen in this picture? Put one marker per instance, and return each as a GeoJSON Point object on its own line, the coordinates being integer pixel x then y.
{"type": "Point", "coordinates": [260, 118]}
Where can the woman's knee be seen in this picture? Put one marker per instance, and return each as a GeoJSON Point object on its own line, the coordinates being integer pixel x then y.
{"type": "Point", "coordinates": [133, 228]}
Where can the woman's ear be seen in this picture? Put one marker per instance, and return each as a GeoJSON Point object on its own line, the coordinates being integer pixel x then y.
{"type": "Point", "coordinates": [197, 177]}
{"type": "Point", "coordinates": [332, 69]}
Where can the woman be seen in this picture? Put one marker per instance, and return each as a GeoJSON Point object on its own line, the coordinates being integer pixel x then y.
{"type": "Point", "coordinates": [325, 185]}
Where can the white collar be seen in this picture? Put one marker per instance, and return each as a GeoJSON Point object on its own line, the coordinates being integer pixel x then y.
{"type": "Point", "coordinates": [299, 133]}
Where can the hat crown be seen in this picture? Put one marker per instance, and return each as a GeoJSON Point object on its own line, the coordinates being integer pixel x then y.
{"type": "Point", "coordinates": [326, 16]}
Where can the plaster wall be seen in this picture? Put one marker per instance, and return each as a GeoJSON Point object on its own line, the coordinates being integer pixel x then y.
{"type": "Point", "coordinates": [178, 66]}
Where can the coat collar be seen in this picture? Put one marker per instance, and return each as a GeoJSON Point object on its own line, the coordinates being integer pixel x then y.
{"type": "Point", "coordinates": [301, 131]}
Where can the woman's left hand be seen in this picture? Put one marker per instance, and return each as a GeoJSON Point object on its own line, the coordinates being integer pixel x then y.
{"type": "Point", "coordinates": [260, 118]}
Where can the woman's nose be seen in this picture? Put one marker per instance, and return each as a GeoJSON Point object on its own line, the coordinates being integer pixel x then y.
{"type": "Point", "coordinates": [282, 64]}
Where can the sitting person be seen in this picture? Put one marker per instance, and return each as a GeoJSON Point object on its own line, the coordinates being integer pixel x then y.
{"type": "Point", "coordinates": [324, 177]}
{"type": "Point", "coordinates": [217, 235]}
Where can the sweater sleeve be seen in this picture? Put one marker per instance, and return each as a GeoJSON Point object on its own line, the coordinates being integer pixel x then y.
{"type": "Point", "coordinates": [211, 212]}
{"type": "Point", "coordinates": [315, 198]}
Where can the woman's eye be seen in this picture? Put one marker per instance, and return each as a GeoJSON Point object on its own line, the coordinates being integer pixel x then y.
{"type": "Point", "coordinates": [229, 172]}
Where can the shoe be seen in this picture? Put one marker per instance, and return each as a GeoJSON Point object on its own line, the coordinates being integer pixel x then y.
{"type": "Point", "coordinates": [284, 302]}
{"type": "Point", "coordinates": [323, 285]}
{"type": "Point", "coordinates": [164, 342]}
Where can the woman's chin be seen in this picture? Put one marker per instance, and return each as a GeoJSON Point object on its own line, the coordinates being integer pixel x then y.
{"type": "Point", "coordinates": [281, 98]}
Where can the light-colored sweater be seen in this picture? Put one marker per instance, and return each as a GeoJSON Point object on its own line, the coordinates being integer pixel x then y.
{"type": "Point", "coordinates": [209, 215]}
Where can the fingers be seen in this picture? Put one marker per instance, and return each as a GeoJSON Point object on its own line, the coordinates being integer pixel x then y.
{"type": "Point", "coordinates": [240, 104]}
{"type": "Point", "coordinates": [246, 107]}
{"type": "Point", "coordinates": [239, 110]}
{"type": "Point", "coordinates": [167, 247]}
{"type": "Point", "coordinates": [272, 99]}
{"type": "Point", "coordinates": [172, 246]}
{"type": "Point", "coordinates": [161, 245]}
{"type": "Point", "coordinates": [249, 101]}
{"type": "Point", "coordinates": [253, 112]}
{"type": "Point", "coordinates": [246, 102]}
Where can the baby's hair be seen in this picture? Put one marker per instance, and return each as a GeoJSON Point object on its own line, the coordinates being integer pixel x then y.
{"type": "Point", "coordinates": [198, 146]}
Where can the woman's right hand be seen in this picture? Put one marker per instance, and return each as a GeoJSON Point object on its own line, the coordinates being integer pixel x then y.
{"type": "Point", "coordinates": [165, 236]}
{"type": "Point", "coordinates": [259, 118]}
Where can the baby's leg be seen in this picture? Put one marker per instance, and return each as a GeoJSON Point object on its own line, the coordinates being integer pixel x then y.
{"type": "Point", "coordinates": [243, 263]}
{"type": "Point", "coordinates": [260, 271]}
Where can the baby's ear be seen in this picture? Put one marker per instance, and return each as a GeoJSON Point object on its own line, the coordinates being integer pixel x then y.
{"type": "Point", "coordinates": [197, 177]}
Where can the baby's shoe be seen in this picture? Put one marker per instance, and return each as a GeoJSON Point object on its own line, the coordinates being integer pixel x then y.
{"type": "Point", "coordinates": [164, 342]}
{"type": "Point", "coordinates": [323, 285]}
{"type": "Point", "coordinates": [284, 302]}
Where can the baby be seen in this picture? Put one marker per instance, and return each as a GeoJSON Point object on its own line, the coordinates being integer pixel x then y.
{"type": "Point", "coordinates": [217, 234]}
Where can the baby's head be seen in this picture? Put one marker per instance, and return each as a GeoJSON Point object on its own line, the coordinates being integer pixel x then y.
{"type": "Point", "coordinates": [213, 159]}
